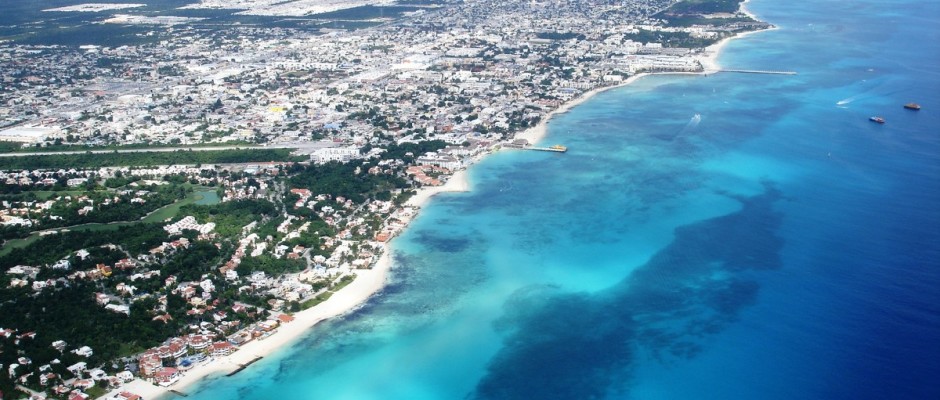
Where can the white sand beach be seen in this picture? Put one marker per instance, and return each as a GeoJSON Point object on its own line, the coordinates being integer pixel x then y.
{"type": "Point", "coordinates": [458, 182]}
{"type": "Point", "coordinates": [708, 58]}
{"type": "Point", "coordinates": [538, 132]}
{"type": "Point", "coordinates": [369, 282]}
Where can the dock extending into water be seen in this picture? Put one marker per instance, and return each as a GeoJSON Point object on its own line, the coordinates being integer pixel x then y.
{"type": "Point", "coordinates": [554, 149]}
{"type": "Point", "coordinates": [243, 366]}
{"type": "Point", "coordinates": [758, 71]}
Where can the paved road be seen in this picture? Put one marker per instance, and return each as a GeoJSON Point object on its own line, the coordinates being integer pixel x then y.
{"type": "Point", "coordinates": [303, 147]}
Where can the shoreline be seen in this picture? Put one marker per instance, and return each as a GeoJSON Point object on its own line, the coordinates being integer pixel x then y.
{"type": "Point", "coordinates": [708, 58]}
{"type": "Point", "coordinates": [370, 281]}
{"type": "Point", "coordinates": [537, 133]}
{"type": "Point", "coordinates": [458, 182]}
{"type": "Point", "coordinates": [367, 283]}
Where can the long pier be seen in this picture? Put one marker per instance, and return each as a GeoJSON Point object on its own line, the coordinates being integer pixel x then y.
{"type": "Point", "coordinates": [554, 149]}
{"type": "Point", "coordinates": [757, 71]}
{"type": "Point", "coordinates": [243, 366]}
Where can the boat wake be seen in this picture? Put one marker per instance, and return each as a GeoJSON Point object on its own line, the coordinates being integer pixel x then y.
{"type": "Point", "coordinates": [693, 123]}
{"type": "Point", "coordinates": [690, 126]}
{"type": "Point", "coordinates": [876, 87]}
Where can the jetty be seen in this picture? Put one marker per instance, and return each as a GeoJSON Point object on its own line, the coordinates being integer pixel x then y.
{"type": "Point", "coordinates": [556, 148]}
{"type": "Point", "coordinates": [243, 366]}
{"type": "Point", "coordinates": [523, 144]}
{"type": "Point", "coordinates": [758, 71]}
{"type": "Point", "coordinates": [178, 393]}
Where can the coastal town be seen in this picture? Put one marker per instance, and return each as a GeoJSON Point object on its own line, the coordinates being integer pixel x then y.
{"type": "Point", "coordinates": [312, 151]}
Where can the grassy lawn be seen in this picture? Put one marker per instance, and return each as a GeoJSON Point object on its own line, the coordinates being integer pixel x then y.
{"type": "Point", "coordinates": [171, 210]}
{"type": "Point", "coordinates": [17, 244]}
{"type": "Point", "coordinates": [200, 196]}
{"type": "Point", "coordinates": [47, 194]}
{"type": "Point", "coordinates": [96, 391]}
{"type": "Point", "coordinates": [326, 295]}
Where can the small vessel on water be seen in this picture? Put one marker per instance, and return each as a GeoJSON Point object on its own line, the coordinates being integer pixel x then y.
{"type": "Point", "coordinates": [877, 119]}
{"type": "Point", "coordinates": [912, 106]}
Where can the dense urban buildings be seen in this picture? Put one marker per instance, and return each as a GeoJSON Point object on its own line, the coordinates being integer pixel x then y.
{"type": "Point", "coordinates": [187, 261]}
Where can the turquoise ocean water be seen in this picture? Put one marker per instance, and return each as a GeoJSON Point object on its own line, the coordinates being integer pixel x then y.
{"type": "Point", "coordinates": [725, 237]}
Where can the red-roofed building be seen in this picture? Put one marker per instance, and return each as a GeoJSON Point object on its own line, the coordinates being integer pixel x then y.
{"type": "Point", "coordinates": [27, 335]}
{"type": "Point", "coordinates": [302, 192]}
{"type": "Point", "coordinates": [83, 383]}
{"type": "Point", "coordinates": [128, 396]}
{"type": "Point", "coordinates": [166, 376]}
{"type": "Point", "coordinates": [77, 395]}
{"type": "Point", "coordinates": [47, 379]}
{"type": "Point", "coordinates": [220, 349]}
{"type": "Point", "coordinates": [199, 342]}
{"type": "Point", "coordinates": [125, 264]}
{"type": "Point", "coordinates": [176, 348]}
{"type": "Point", "coordinates": [104, 269]}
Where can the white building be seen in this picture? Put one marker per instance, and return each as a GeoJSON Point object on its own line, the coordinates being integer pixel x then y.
{"type": "Point", "coordinates": [27, 134]}
{"type": "Point", "coordinates": [443, 161]}
{"type": "Point", "coordinates": [341, 154]}
{"type": "Point", "coordinates": [83, 351]}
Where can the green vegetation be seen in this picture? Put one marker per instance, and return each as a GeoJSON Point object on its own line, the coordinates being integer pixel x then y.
{"type": "Point", "coordinates": [231, 217]}
{"type": "Point", "coordinates": [336, 179]}
{"type": "Point", "coordinates": [692, 12]}
{"type": "Point", "coordinates": [73, 309]}
{"type": "Point", "coordinates": [107, 207]}
{"type": "Point", "coordinates": [157, 216]}
{"type": "Point", "coordinates": [690, 20]}
{"type": "Point", "coordinates": [240, 143]}
{"type": "Point", "coordinates": [343, 282]}
{"type": "Point", "coordinates": [96, 391]}
{"type": "Point", "coordinates": [399, 151]}
{"type": "Point", "coordinates": [560, 35]}
{"type": "Point", "coordinates": [9, 147]}
{"type": "Point", "coordinates": [368, 12]}
{"type": "Point", "coordinates": [136, 238]}
{"type": "Point", "coordinates": [92, 160]}
{"type": "Point", "coordinates": [71, 314]}
{"type": "Point", "coordinates": [47, 194]}
{"type": "Point", "coordinates": [703, 7]}
{"type": "Point", "coordinates": [200, 258]}
{"type": "Point", "coordinates": [316, 300]}
{"type": "Point", "coordinates": [270, 265]}
{"type": "Point", "coordinates": [12, 244]}
{"type": "Point", "coordinates": [173, 210]}
{"type": "Point", "coordinates": [670, 39]}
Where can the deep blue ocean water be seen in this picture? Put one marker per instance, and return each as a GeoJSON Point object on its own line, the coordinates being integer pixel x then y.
{"type": "Point", "coordinates": [725, 237]}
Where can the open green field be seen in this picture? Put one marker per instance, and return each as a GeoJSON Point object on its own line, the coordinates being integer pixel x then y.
{"type": "Point", "coordinates": [203, 196]}
{"type": "Point", "coordinates": [170, 211]}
